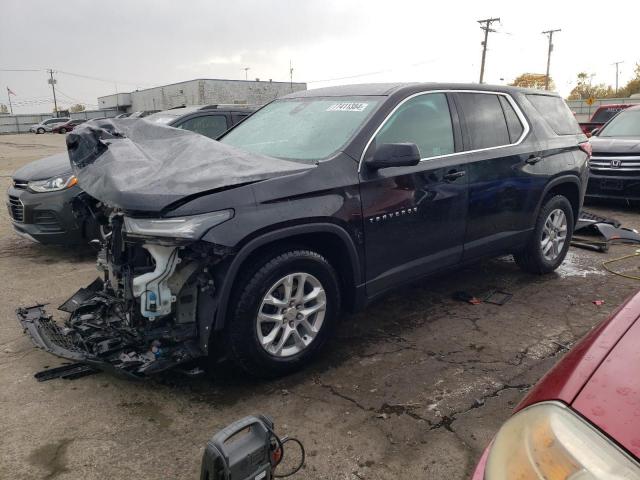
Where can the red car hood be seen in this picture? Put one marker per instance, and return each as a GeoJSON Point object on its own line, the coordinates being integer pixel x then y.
{"type": "Point", "coordinates": [611, 397]}
{"type": "Point", "coordinates": [600, 377]}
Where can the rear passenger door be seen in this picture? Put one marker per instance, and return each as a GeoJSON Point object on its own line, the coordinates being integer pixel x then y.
{"type": "Point", "coordinates": [502, 195]}
{"type": "Point", "coordinates": [211, 126]}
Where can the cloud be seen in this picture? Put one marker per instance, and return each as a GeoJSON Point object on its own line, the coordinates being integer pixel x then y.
{"type": "Point", "coordinates": [154, 42]}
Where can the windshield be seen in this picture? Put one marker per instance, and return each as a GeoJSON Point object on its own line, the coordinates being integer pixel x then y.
{"type": "Point", "coordinates": [306, 129]}
{"type": "Point", "coordinates": [625, 124]}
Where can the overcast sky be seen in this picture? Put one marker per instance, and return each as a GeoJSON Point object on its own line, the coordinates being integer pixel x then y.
{"type": "Point", "coordinates": [141, 43]}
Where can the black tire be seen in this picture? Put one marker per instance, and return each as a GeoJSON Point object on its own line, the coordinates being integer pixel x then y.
{"type": "Point", "coordinates": [531, 258]}
{"type": "Point", "coordinates": [252, 286]}
{"type": "Point", "coordinates": [40, 130]}
{"type": "Point", "coordinates": [62, 130]}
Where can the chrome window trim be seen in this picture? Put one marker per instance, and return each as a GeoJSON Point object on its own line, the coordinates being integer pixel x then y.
{"type": "Point", "coordinates": [512, 102]}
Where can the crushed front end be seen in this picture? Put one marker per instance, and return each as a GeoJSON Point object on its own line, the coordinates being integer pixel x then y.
{"type": "Point", "coordinates": [153, 307]}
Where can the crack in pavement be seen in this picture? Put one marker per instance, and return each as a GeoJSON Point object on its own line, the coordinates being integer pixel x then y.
{"type": "Point", "coordinates": [447, 420]}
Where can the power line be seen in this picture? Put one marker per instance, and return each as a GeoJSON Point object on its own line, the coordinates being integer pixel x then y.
{"type": "Point", "coordinates": [76, 99]}
{"type": "Point", "coordinates": [486, 26]}
{"type": "Point", "coordinates": [549, 33]}
{"type": "Point", "coordinates": [377, 72]}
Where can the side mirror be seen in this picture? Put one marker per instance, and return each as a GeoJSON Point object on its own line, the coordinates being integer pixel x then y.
{"type": "Point", "coordinates": [394, 155]}
{"type": "Point", "coordinates": [594, 132]}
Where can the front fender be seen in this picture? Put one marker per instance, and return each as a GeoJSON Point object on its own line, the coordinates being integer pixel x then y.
{"type": "Point", "coordinates": [278, 235]}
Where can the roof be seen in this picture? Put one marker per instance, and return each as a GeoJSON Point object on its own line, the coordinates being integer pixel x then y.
{"type": "Point", "coordinates": [618, 105]}
{"type": "Point", "coordinates": [386, 89]}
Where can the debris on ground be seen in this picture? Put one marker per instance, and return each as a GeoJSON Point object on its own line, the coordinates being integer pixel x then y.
{"type": "Point", "coordinates": [497, 297]}
{"type": "Point", "coordinates": [598, 302]}
{"type": "Point", "coordinates": [494, 297]}
{"type": "Point", "coordinates": [597, 233]}
{"type": "Point", "coordinates": [70, 371]}
{"type": "Point", "coordinates": [466, 297]}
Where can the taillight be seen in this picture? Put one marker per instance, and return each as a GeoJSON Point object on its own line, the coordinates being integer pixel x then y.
{"type": "Point", "coordinates": [586, 148]}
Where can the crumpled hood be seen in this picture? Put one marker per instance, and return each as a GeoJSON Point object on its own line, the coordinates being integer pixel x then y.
{"type": "Point", "coordinates": [44, 168]}
{"type": "Point", "coordinates": [615, 145]}
{"type": "Point", "coordinates": [142, 166]}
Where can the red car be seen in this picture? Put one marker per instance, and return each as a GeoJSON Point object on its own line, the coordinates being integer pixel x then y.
{"type": "Point", "coordinates": [67, 126]}
{"type": "Point", "coordinates": [602, 115]}
{"type": "Point", "coordinates": [582, 419]}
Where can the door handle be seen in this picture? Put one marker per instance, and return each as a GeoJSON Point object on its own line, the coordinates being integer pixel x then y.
{"type": "Point", "coordinates": [454, 174]}
{"type": "Point", "coordinates": [532, 160]}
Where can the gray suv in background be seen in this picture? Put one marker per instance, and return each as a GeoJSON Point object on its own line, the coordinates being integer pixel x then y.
{"type": "Point", "coordinates": [42, 192]}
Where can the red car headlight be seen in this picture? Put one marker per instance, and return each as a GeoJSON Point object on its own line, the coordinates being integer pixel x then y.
{"type": "Point", "coordinates": [548, 441]}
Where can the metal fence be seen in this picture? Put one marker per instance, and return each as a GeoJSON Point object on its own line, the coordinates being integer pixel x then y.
{"type": "Point", "coordinates": [21, 123]}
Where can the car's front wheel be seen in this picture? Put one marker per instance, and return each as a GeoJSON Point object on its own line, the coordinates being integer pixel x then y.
{"type": "Point", "coordinates": [63, 130]}
{"type": "Point", "coordinates": [40, 130]}
{"type": "Point", "coordinates": [284, 311]}
{"type": "Point", "coordinates": [551, 237]}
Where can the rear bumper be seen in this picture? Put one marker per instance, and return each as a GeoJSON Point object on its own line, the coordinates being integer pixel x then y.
{"type": "Point", "coordinates": [614, 186]}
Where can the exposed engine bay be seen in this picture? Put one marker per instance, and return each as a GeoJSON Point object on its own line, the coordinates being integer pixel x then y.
{"type": "Point", "coordinates": [141, 316]}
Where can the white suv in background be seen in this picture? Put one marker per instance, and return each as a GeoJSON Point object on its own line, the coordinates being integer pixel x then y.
{"type": "Point", "coordinates": [47, 125]}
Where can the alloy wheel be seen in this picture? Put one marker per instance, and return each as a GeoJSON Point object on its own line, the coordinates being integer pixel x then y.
{"type": "Point", "coordinates": [554, 235]}
{"type": "Point", "coordinates": [291, 314]}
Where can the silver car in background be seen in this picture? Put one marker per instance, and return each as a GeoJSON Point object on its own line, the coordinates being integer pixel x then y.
{"type": "Point", "coordinates": [47, 125]}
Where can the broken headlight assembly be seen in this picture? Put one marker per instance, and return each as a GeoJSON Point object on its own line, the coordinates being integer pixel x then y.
{"type": "Point", "coordinates": [549, 441]}
{"type": "Point", "coordinates": [192, 227]}
{"type": "Point", "coordinates": [53, 184]}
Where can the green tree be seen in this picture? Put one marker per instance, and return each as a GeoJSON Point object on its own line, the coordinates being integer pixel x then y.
{"type": "Point", "coordinates": [585, 89]}
{"type": "Point", "coordinates": [533, 80]}
{"type": "Point", "coordinates": [78, 107]}
{"type": "Point", "coordinates": [3, 108]}
{"type": "Point", "coordinates": [633, 86]}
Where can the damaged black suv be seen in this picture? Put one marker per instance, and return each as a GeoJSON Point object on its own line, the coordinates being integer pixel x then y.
{"type": "Point", "coordinates": [251, 246]}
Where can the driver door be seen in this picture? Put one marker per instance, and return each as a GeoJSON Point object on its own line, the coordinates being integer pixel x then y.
{"type": "Point", "coordinates": [415, 217]}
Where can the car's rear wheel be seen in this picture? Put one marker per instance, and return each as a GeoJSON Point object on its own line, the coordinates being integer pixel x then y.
{"type": "Point", "coordinates": [283, 313]}
{"type": "Point", "coordinates": [40, 130]}
{"type": "Point", "coordinates": [551, 237]}
{"type": "Point", "coordinates": [63, 130]}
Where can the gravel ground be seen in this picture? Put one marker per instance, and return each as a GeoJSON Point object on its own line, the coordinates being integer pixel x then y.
{"type": "Point", "coordinates": [413, 387]}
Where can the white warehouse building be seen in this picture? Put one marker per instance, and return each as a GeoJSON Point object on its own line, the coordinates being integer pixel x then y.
{"type": "Point", "coordinates": [199, 92]}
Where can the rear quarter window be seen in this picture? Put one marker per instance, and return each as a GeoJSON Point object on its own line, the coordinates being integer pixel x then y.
{"type": "Point", "coordinates": [556, 113]}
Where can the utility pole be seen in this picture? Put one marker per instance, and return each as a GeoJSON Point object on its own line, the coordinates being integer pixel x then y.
{"type": "Point", "coordinates": [246, 76]}
{"type": "Point", "coordinates": [291, 76]}
{"type": "Point", "coordinates": [486, 26]}
{"type": "Point", "coordinates": [9, 97]}
{"type": "Point", "coordinates": [53, 82]}
{"type": "Point", "coordinates": [549, 33]}
{"type": "Point", "coordinates": [616, 64]}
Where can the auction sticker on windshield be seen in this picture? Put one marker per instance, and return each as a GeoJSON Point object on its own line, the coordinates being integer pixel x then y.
{"type": "Point", "coordinates": [347, 107]}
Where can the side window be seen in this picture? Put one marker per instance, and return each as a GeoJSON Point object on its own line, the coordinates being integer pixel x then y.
{"type": "Point", "coordinates": [486, 123]}
{"type": "Point", "coordinates": [238, 117]}
{"type": "Point", "coordinates": [514, 125]}
{"type": "Point", "coordinates": [424, 120]}
{"type": "Point", "coordinates": [211, 126]}
{"type": "Point", "coordinates": [556, 113]}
